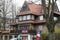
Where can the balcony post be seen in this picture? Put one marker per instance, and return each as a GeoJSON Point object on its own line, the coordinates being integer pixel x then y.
{"type": "Point", "coordinates": [3, 37]}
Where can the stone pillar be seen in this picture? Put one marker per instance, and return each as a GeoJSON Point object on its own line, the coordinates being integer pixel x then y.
{"type": "Point", "coordinates": [31, 36]}
{"type": "Point", "coordinates": [8, 37]}
{"type": "Point", "coordinates": [3, 37]}
{"type": "Point", "coordinates": [13, 36]}
{"type": "Point", "coordinates": [28, 36]}
{"type": "Point", "coordinates": [0, 37]}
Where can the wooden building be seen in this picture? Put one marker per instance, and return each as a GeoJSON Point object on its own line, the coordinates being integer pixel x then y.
{"type": "Point", "coordinates": [28, 20]}
{"type": "Point", "coordinates": [31, 18]}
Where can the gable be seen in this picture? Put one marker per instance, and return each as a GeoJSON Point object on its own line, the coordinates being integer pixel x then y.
{"type": "Point", "coordinates": [56, 8]}
{"type": "Point", "coordinates": [25, 7]}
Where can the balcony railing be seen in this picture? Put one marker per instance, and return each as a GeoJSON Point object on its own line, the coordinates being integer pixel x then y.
{"type": "Point", "coordinates": [20, 31]}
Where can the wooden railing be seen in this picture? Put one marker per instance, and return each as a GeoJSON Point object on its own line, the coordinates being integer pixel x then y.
{"type": "Point", "coordinates": [20, 31]}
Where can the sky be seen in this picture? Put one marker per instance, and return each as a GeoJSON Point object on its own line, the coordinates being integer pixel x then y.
{"type": "Point", "coordinates": [19, 3]}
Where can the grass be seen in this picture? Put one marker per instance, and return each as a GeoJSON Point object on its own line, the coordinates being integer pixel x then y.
{"type": "Point", "coordinates": [57, 30]}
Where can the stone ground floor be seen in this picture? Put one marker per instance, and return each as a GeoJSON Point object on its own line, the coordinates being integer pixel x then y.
{"type": "Point", "coordinates": [8, 36]}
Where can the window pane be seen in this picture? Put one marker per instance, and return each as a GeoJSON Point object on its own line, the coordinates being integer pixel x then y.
{"type": "Point", "coordinates": [40, 27]}
{"type": "Point", "coordinates": [16, 20]}
{"type": "Point", "coordinates": [55, 18]}
{"type": "Point", "coordinates": [32, 17]}
{"type": "Point", "coordinates": [24, 17]}
{"type": "Point", "coordinates": [41, 17]}
{"type": "Point", "coordinates": [28, 17]}
{"type": "Point", "coordinates": [20, 18]}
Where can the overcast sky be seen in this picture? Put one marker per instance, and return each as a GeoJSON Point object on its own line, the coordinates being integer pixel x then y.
{"type": "Point", "coordinates": [19, 3]}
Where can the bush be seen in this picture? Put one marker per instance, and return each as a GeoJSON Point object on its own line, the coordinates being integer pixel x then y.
{"type": "Point", "coordinates": [45, 36]}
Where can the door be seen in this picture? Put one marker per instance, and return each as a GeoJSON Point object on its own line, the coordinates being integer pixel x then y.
{"type": "Point", "coordinates": [25, 38]}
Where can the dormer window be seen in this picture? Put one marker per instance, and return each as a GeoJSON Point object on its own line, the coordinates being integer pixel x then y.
{"type": "Point", "coordinates": [41, 17]}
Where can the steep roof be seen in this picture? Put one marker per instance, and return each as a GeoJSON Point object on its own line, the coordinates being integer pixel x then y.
{"type": "Point", "coordinates": [31, 8]}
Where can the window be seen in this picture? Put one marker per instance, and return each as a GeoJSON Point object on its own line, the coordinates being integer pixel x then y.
{"type": "Point", "coordinates": [16, 20]}
{"type": "Point", "coordinates": [20, 18]}
{"type": "Point", "coordinates": [32, 17]}
{"type": "Point", "coordinates": [24, 17]}
{"type": "Point", "coordinates": [28, 17]}
{"type": "Point", "coordinates": [6, 26]}
{"type": "Point", "coordinates": [55, 18]}
{"type": "Point", "coordinates": [18, 28]}
{"type": "Point", "coordinates": [41, 17]}
{"type": "Point", "coordinates": [40, 27]}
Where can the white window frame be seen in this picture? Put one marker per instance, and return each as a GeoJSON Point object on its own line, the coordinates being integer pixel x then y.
{"type": "Point", "coordinates": [32, 17]}
{"type": "Point", "coordinates": [41, 17]}
{"type": "Point", "coordinates": [20, 18]}
{"type": "Point", "coordinates": [28, 17]}
{"type": "Point", "coordinates": [16, 20]}
{"type": "Point", "coordinates": [24, 17]}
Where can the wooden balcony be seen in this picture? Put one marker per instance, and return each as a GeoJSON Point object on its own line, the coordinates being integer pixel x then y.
{"type": "Point", "coordinates": [5, 31]}
{"type": "Point", "coordinates": [20, 32]}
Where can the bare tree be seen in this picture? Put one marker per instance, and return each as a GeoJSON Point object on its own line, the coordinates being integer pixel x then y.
{"type": "Point", "coordinates": [6, 11]}
{"type": "Point", "coordinates": [14, 11]}
{"type": "Point", "coordinates": [48, 11]}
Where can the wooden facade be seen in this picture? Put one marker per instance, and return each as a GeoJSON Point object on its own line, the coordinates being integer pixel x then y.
{"type": "Point", "coordinates": [29, 18]}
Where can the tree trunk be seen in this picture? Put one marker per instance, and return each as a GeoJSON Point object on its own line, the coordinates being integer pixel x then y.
{"type": "Point", "coordinates": [48, 11]}
{"type": "Point", "coordinates": [51, 36]}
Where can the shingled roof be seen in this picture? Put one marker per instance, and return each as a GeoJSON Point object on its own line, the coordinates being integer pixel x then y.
{"type": "Point", "coordinates": [31, 8]}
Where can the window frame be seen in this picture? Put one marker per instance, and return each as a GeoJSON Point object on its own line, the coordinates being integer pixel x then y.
{"type": "Point", "coordinates": [29, 17]}
{"type": "Point", "coordinates": [24, 18]}
{"type": "Point", "coordinates": [32, 17]}
{"type": "Point", "coordinates": [17, 20]}
{"type": "Point", "coordinates": [20, 18]}
{"type": "Point", "coordinates": [41, 17]}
